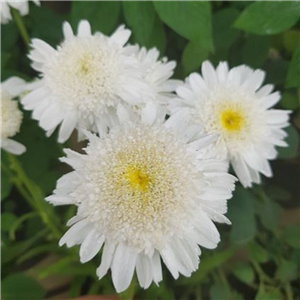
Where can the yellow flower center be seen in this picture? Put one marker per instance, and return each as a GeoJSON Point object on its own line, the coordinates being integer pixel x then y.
{"type": "Point", "coordinates": [232, 119]}
{"type": "Point", "coordinates": [137, 178]}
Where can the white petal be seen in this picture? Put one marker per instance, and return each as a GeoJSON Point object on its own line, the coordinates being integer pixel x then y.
{"type": "Point", "coordinates": [67, 127]}
{"type": "Point", "coordinates": [123, 266]}
{"type": "Point", "coordinates": [67, 30]}
{"type": "Point", "coordinates": [149, 113]}
{"type": "Point", "coordinates": [121, 35]}
{"type": "Point", "coordinates": [106, 260]}
{"type": "Point", "coordinates": [91, 246]}
{"type": "Point", "coordinates": [241, 170]}
{"type": "Point", "coordinates": [14, 86]}
{"type": "Point", "coordinates": [84, 29]}
{"type": "Point", "coordinates": [12, 146]}
{"type": "Point", "coordinates": [208, 73]}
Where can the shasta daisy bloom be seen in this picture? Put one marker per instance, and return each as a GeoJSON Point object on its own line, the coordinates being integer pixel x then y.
{"type": "Point", "coordinates": [21, 5]}
{"type": "Point", "coordinates": [83, 80]}
{"type": "Point", "coordinates": [234, 104]}
{"type": "Point", "coordinates": [157, 73]}
{"type": "Point", "coordinates": [11, 115]}
{"type": "Point", "coordinates": [142, 193]}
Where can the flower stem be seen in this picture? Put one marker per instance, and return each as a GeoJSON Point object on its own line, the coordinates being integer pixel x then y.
{"type": "Point", "coordinates": [20, 24]}
{"type": "Point", "coordinates": [289, 292]}
{"type": "Point", "coordinates": [33, 194]}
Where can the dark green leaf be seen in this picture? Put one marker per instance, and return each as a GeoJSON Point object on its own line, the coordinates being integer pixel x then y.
{"type": "Point", "coordinates": [7, 220]}
{"type": "Point", "coordinates": [19, 286]}
{"type": "Point", "coordinates": [289, 101]}
{"type": "Point", "coordinates": [257, 252]}
{"type": "Point", "coordinates": [207, 265]}
{"type": "Point", "coordinates": [269, 213]}
{"type": "Point", "coordinates": [292, 236]}
{"type": "Point", "coordinates": [223, 33]}
{"type": "Point", "coordinates": [41, 18]}
{"type": "Point", "coordinates": [102, 15]}
{"type": "Point", "coordinates": [6, 186]}
{"type": "Point", "coordinates": [158, 37]}
{"type": "Point", "coordinates": [255, 50]}
{"type": "Point", "coordinates": [219, 291]}
{"type": "Point", "coordinates": [273, 294]}
{"type": "Point", "coordinates": [241, 214]}
{"type": "Point", "coordinates": [193, 55]}
{"type": "Point", "coordinates": [293, 75]}
{"type": "Point", "coordinates": [287, 271]}
{"type": "Point", "coordinates": [140, 17]}
{"type": "Point", "coordinates": [276, 71]}
{"type": "Point", "coordinates": [269, 17]}
{"type": "Point", "coordinates": [190, 19]}
{"type": "Point", "coordinates": [243, 272]}
{"type": "Point", "coordinates": [9, 36]}
{"type": "Point", "coordinates": [293, 144]}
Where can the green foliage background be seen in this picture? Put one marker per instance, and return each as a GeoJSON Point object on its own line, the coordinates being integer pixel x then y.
{"type": "Point", "coordinates": [259, 255]}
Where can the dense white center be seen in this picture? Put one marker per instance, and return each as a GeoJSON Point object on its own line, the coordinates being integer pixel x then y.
{"type": "Point", "coordinates": [83, 74]}
{"type": "Point", "coordinates": [141, 184]}
{"type": "Point", "coordinates": [11, 116]}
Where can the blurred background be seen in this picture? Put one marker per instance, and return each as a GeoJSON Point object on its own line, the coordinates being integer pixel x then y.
{"type": "Point", "coordinates": [259, 255]}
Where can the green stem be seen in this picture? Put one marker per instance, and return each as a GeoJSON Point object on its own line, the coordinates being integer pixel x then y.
{"type": "Point", "coordinates": [32, 193]}
{"type": "Point", "coordinates": [289, 292]}
{"type": "Point", "coordinates": [20, 24]}
{"type": "Point", "coordinates": [261, 274]}
{"type": "Point", "coordinates": [223, 278]}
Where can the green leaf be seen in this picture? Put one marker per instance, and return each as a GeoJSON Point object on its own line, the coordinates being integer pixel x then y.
{"type": "Point", "coordinates": [102, 15]}
{"type": "Point", "coordinates": [219, 291]}
{"type": "Point", "coordinates": [140, 17]}
{"type": "Point", "coordinates": [243, 272]}
{"type": "Point", "coordinates": [289, 101]}
{"type": "Point", "coordinates": [269, 213]}
{"type": "Point", "coordinates": [291, 40]}
{"type": "Point", "coordinates": [291, 235]}
{"type": "Point", "coordinates": [257, 252]}
{"type": "Point", "coordinates": [158, 37]}
{"type": "Point", "coordinates": [19, 286]}
{"type": "Point", "coordinates": [41, 17]}
{"type": "Point", "coordinates": [255, 50]}
{"type": "Point", "coordinates": [6, 186]}
{"type": "Point", "coordinates": [9, 36]}
{"type": "Point", "coordinates": [208, 264]}
{"type": "Point", "coordinates": [287, 271]}
{"type": "Point", "coordinates": [190, 19]}
{"type": "Point", "coordinates": [193, 55]}
{"type": "Point", "coordinates": [276, 71]}
{"type": "Point", "coordinates": [269, 17]}
{"type": "Point", "coordinates": [293, 75]}
{"type": "Point", "coordinates": [273, 294]}
{"type": "Point", "coordinates": [293, 144]}
{"type": "Point", "coordinates": [223, 32]}
{"type": "Point", "coordinates": [7, 220]}
{"type": "Point", "coordinates": [241, 214]}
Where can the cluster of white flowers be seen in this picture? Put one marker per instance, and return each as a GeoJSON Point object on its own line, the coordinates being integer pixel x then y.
{"type": "Point", "coordinates": [154, 176]}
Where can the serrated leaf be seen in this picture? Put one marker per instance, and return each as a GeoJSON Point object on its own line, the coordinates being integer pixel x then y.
{"type": "Point", "coordinates": [269, 17]}
{"type": "Point", "coordinates": [190, 19]}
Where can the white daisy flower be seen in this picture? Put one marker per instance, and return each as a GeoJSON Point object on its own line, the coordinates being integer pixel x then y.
{"type": "Point", "coordinates": [11, 115]}
{"type": "Point", "coordinates": [83, 80]}
{"type": "Point", "coordinates": [143, 194]}
{"type": "Point", "coordinates": [21, 5]}
{"type": "Point", "coordinates": [157, 73]}
{"type": "Point", "coordinates": [233, 104]}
